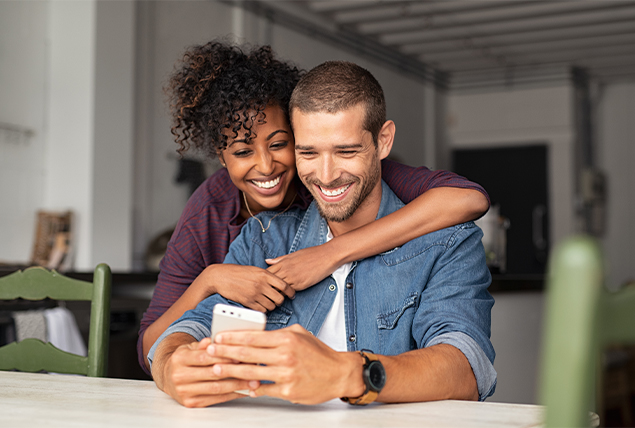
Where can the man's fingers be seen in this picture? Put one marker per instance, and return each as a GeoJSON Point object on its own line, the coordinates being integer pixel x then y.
{"type": "Point", "coordinates": [202, 394]}
{"type": "Point", "coordinates": [207, 400]}
{"type": "Point", "coordinates": [248, 372]}
{"type": "Point", "coordinates": [197, 357]}
{"type": "Point", "coordinates": [262, 339]}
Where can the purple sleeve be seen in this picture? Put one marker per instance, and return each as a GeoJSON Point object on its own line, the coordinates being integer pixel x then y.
{"type": "Point", "coordinates": [409, 182]}
{"type": "Point", "coordinates": [180, 266]}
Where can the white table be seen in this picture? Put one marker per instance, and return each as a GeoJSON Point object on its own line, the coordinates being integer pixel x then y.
{"type": "Point", "coordinates": [38, 400]}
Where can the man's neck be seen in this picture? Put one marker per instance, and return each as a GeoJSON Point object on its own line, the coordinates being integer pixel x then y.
{"type": "Point", "coordinates": [365, 213]}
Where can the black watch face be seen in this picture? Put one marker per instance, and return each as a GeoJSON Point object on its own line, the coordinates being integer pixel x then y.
{"type": "Point", "coordinates": [376, 375]}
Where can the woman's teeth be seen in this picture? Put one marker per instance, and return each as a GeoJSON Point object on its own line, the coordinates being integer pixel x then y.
{"type": "Point", "coordinates": [334, 192]}
{"type": "Point", "coordinates": [267, 184]}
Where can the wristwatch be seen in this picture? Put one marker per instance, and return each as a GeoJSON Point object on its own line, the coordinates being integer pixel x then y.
{"type": "Point", "coordinates": [374, 377]}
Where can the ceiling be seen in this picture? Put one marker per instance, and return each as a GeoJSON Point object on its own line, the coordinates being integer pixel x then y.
{"type": "Point", "coordinates": [484, 43]}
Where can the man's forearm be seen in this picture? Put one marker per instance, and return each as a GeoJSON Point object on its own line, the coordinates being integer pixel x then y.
{"type": "Point", "coordinates": [440, 372]}
{"type": "Point", "coordinates": [163, 353]}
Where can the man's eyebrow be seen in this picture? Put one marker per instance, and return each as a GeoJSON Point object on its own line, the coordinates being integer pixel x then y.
{"type": "Point", "coordinates": [338, 147]}
{"type": "Point", "coordinates": [349, 146]}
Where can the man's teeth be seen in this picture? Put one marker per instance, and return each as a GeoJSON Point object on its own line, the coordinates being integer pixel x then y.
{"type": "Point", "coordinates": [267, 184]}
{"type": "Point", "coordinates": [334, 192]}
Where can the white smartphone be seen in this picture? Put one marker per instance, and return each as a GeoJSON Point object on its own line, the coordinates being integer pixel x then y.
{"type": "Point", "coordinates": [228, 317]}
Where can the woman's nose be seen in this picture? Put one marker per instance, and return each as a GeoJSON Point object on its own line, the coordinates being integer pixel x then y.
{"type": "Point", "coordinates": [265, 163]}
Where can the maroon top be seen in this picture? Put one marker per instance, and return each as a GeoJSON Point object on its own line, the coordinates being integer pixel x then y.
{"type": "Point", "coordinates": [209, 223]}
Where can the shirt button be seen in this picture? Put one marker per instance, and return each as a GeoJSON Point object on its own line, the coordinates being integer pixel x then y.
{"type": "Point", "coordinates": [332, 287]}
{"type": "Point", "coordinates": [349, 285]}
{"type": "Point", "coordinates": [352, 338]}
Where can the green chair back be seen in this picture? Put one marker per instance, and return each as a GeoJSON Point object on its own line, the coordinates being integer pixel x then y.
{"type": "Point", "coordinates": [582, 317]}
{"type": "Point", "coordinates": [32, 355]}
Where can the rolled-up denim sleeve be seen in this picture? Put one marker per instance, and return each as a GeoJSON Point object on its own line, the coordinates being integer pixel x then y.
{"type": "Point", "coordinates": [456, 304]}
{"type": "Point", "coordinates": [196, 322]}
{"type": "Point", "coordinates": [481, 366]}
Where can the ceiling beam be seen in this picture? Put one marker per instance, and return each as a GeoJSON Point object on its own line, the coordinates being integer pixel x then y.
{"type": "Point", "coordinates": [478, 42]}
{"type": "Point", "coordinates": [579, 21]}
{"type": "Point", "coordinates": [524, 12]}
{"type": "Point", "coordinates": [388, 10]}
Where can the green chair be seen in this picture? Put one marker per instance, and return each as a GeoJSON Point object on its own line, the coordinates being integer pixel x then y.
{"type": "Point", "coordinates": [33, 355]}
{"type": "Point", "coordinates": [582, 318]}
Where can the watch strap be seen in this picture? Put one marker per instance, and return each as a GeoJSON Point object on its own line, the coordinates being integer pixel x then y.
{"type": "Point", "coordinates": [368, 396]}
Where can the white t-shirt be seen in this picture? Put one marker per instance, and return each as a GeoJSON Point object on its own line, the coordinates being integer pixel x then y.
{"type": "Point", "coordinates": [333, 331]}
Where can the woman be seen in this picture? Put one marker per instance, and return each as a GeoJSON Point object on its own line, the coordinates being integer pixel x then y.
{"type": "Point", "coordinates": [234, 105]}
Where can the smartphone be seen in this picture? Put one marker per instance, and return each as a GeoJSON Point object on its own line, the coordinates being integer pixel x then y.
{"type": "Point", "coordinates": [228, 317]}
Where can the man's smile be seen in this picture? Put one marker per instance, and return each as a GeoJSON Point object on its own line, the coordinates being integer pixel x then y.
{"type": "Point", "coordinates": [334, 192]}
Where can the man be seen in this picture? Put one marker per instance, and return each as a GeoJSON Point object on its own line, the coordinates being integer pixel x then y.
{"type": "Point", "coordinates": [419, 314]}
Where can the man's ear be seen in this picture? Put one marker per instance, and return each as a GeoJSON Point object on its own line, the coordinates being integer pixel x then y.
{"type": "Point", "coordinates": [385, 138]}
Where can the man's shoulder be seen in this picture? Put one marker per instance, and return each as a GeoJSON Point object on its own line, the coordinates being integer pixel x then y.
{"type": "Point", "coordinates": [438, 241]}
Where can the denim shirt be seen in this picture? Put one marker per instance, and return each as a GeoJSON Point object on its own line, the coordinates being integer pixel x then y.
{"type": "Point", "coordinates": [429, 291]}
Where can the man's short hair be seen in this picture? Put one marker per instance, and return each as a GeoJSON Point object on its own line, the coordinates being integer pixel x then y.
{"type": "Point", "coordinates": [339, 85]}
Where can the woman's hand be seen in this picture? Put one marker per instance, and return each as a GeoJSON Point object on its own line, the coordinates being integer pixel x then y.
{"type": "Point", "coordinates": [304, 268]}
{"type": "Point", "coordinates": [251, 286]}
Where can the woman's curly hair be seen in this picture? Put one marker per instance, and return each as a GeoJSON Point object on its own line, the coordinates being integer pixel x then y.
{"type": "Point", "coordinates": [218, 87]}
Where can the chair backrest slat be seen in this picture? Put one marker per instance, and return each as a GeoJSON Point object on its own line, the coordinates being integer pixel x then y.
{"type": "Point", "coordinates": [32, 355]}
{"type": "Point", "coordinates": [37, 283]}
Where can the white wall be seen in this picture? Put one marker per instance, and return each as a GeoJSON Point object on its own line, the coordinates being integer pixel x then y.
{"type": "Point", "coordinates": [616, 155]}
{"type": "Point", "coordinates": [517, 338]}
{"type": "Point", "coordinates": [70, 117]}
{"type": "Point", "coordinates": [23, 57]}
{"type": "Point", "coordinates": [71, 76]}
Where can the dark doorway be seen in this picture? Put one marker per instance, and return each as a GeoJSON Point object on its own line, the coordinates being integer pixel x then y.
{"type": "Point", "coordinates": [516, 179]}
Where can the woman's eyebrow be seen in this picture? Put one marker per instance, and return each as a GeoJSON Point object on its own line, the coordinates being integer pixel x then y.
{"type": "Point", "coordinates": [240, 140]}
{"type": "Point", "coordinates": [270, 136]}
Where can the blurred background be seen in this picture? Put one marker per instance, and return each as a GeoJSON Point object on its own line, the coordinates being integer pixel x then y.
{"type": "Point", "coordinates": [533, 100]}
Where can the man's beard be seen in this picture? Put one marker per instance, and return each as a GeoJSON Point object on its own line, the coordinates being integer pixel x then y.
{"type": "Point", "coordinates": [342, 211]}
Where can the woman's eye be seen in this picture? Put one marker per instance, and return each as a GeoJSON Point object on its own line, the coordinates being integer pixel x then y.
{"type": "Point", "coordinates": [241, 153]}
{"type": "Point", "coordinates": [279, 144]}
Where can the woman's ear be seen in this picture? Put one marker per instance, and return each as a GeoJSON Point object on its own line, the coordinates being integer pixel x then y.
{"type": "Point", "coordinates": [385, 139]}
{"type": "Point", "coordinates": [219, 153]}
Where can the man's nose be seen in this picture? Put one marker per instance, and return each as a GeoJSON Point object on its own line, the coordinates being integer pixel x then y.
{"type": "Point", "coordinates": [327, 171]}
{"type": "Point", "coordinates": [265, 164]}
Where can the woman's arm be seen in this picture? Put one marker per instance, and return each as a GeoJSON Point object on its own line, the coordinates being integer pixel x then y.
{"type": "Point", "coordinates": [432, 206]}
{"type": "Point", "coordinates": [434, 210]}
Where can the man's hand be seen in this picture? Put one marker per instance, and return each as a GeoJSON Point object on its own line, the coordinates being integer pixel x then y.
{"type": "Point", "coordinates": [303, 369]}
{"type": "Point", "coordinates": [186, 373]}
{"type": "Point", "coordinates": [304, 268]}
